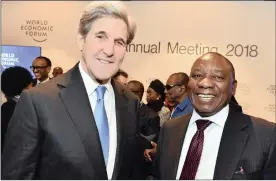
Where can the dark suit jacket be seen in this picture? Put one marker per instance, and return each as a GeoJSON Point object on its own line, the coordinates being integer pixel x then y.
{"type": "Point", "coordinates": [53, 134]}
{"type": "Point", "coordinates": [246, 142]}
{"type": "Point", "coordinates": [149, 127]}
{"type": "Point", "coordinates": [149, 122]}
{"type": "Point", "coordinates": [7, 110]}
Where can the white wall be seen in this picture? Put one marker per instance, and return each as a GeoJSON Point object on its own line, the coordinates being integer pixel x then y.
{"type": "Point", "coordinates": [212, 24]}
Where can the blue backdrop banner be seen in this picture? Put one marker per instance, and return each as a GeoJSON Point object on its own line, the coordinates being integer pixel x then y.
{"type": "Point", "coordinates": [13, 55]}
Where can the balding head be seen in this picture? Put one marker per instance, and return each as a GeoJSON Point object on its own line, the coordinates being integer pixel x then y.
{"type": "Point", "coordinates": [136, 87]}
{"type": "Point", "coordinates": [57, 71]}
{"type": "Point", "coordinates": [215, 55]}
{"type": "Point", "coordinates": [176, 87]}
{"type": "Point", "coordinates": [212, 83]}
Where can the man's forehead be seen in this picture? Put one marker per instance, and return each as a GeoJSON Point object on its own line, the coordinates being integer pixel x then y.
{"type": "Point", "coordinates": [211, 62]}
{"type": "Point", "coordinates": [133, 86]}
{"type": "Point", "coordinates": [110, 26]}
{"type": "Point", "coordinates": [39, 60]}
{"type": "Point", "coordinates": [173, 79]}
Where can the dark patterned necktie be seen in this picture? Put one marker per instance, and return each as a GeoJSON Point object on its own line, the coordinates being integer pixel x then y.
{"type": "Point", "coordinates": [194, 153]}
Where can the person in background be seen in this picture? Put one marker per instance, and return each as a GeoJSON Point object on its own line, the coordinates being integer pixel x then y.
{"type": "Point", "coordinates": [155, 98]}
{"type": "Point", "coordinates": [41, 67]}
{"type": "Point", "coordinates": [57, 71]}
{"type": "Point", "coordinates": [177, 93]}
{"type": "Point", "coordinates": [169, 104]}
{"type": "Point", "coordinates": [81, 125]}
{"type": "Point", "coordinates": [215, 141]}
{"type": "Point", "coordinates": [122, 77]}
{"type": "Point", "coordinates": [149, 127]}
{"type": "Point", "coordinates": [149, 119]}
{"type": "Point", "coordinates": [13, 81]}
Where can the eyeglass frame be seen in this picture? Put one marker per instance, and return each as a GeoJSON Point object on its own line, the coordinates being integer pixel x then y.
{"type": "Point", "coordinates": [38, 67]}
{"type": "Point", "coordinates": [169, 87]}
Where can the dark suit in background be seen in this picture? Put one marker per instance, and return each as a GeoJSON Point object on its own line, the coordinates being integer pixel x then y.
{"type": "Point", "coordinates": [149, 122]}
{"type": "Point", "coordinates": [149, 131]}
{"type": "Point", "coordinates": [247, 142]}
{"type": "Point", "coordinates": [53, 134]}
{"type": "Point", "coordinates": [7, 110]}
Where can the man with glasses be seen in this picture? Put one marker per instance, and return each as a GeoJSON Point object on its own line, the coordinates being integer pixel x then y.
{"type": "Point", "coordinates": [177, 92]}
{"type": "Point", "coordinates": [41, 67]}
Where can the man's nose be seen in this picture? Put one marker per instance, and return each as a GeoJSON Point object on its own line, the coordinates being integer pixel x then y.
{"type": "Point", "coordinates": [108, 48]}
{"type": "Point", "coordinates": [206, 83]}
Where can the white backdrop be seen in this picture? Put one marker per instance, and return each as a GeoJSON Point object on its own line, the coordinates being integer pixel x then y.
{"type": "Point", "coordinates": [177, 33]}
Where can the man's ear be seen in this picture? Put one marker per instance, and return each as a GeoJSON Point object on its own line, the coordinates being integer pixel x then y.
{"type": "Point", "coordinates": [48, 69]}
{"type": "Point", "coordinates": [80, 41]}
{"type": "Point", "coordinates": [183, 89]}
{"type": "Point", "coordinates": [235, 84]}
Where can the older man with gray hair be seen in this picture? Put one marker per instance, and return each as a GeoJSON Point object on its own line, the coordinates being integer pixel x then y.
{"type": "Point", "coordinates": [81, 125]}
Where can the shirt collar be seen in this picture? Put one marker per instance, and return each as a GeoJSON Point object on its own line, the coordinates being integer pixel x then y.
{"type": "Point", "coordinates": [90, 84]}
{"type": "Point", "coordinates": [38, 82]}
{"type": "Point", "coordinates": [183, 104]}
{"type": "Point", "coordinates": [219, 118]}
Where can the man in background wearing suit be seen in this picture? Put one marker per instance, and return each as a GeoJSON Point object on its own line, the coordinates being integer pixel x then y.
{"type": "Point", "coordinates": [149, 128]}
{"type": "Point", "coordinates": [82, 124]}
{"type": "Point", "coordinates": [215, 142]}
{"type": "Point", "coordinates": [149, 120]}
{"type": "Point", "coordinates": [41, 67]}
{"type": "Point", "coordinates": [121, 76]}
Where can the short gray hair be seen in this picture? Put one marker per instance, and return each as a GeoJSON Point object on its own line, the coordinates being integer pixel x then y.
{"type": "Point", "coordinates": [96, 10]}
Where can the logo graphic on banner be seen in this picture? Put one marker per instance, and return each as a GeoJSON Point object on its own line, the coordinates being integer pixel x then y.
{"type": "Point", "coordinates": [8, 60]}
{"type": "Point", "coordinates": [37, 29]}
{"type": "Point", "coordinates": [18, 56]}
{"type": "Point", "coordinates": [272, 89]}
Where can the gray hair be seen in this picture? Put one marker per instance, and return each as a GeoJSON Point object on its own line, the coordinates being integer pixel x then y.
{"type": "Point", "coordinates": [96, 10]}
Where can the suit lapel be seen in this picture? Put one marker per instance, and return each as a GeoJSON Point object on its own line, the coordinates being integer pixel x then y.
{"type": "Point", "coordinates": [177, 136]}
{"type": "Point", "coordinates": [122, 126]}
{"type": "Point", "coordinates": [76, 101]}
{"type": "Point", "coordinates": [232, 144]}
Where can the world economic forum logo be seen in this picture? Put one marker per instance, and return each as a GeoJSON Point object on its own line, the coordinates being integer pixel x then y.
{"type": "Point", "coordinates": [39, 30]}
{"type": "Point", "coordinates": [272, 89]}
{"type": "Point", "coordinates": [8, 60]}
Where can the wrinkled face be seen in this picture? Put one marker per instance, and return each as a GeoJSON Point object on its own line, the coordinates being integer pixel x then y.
{"type": "Point", "coordinates": [104, 47]}
{"type": "Point", "coordinates": [122, 79]}
{"type": "Point", "coordinates": [211, 84]}
{"type": "Point", "coordinates": [40, 69]}
{"type": "Point", "coordinates": [152, 95]}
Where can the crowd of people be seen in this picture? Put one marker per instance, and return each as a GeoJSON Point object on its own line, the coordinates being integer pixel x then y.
{"type": "Point", "coordinates": [91, 123]}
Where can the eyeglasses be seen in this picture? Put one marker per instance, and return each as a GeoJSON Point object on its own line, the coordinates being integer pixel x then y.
{"type": "Point", "coordinates": [38, 67]}
{"type": "Point", "coordinates": [168, 87]}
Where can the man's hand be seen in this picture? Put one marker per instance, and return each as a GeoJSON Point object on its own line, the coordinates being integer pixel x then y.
{"type": "Point", "coordinates": [149, 153]}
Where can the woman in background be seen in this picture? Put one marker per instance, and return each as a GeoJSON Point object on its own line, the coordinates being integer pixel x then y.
{"type": "Point", "coordinates": [13, 81]}
{"type": "Point", "coordinates": [155, 98]}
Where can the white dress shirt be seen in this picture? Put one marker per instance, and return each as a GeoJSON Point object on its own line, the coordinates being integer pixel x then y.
{"type": "Point", "coordinates": [38, 82]}
{"type": "Point", "coordinates": [212, 137]}
{"type": "Point", "coordinates": [109, 104]}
